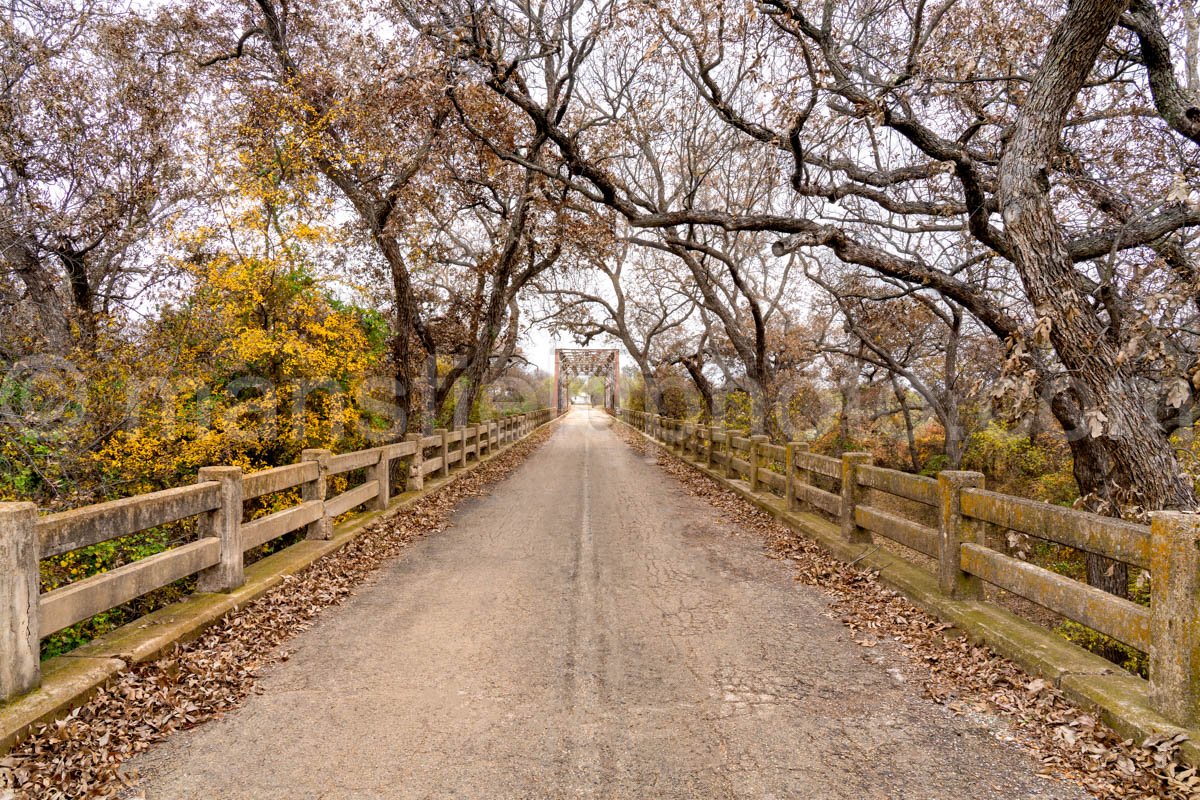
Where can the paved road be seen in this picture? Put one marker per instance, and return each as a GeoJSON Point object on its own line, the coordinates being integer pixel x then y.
{"type": "Point", "coordinates": [589, 630]}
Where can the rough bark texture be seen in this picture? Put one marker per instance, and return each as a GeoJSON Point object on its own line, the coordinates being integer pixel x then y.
{"type": "Point", "coordinates": [1121, 457]}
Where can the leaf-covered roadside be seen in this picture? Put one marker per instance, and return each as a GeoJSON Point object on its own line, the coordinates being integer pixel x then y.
{"type": "Point", "coordinates": [81, 755]}
{"type": "Point", "coordinates": [1071, 744]}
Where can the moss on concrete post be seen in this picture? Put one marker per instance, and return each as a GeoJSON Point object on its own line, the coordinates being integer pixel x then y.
{"type": "Point", "coordinates": [756, 446]}
{"type": "Point", "coordinates": [224, 524]}
{"type": "Point", "coordinates": [851, 496]}
{"type": "Point", "coordinates": [953, 530]}
{"type": "Point", "coordinates": [1174, 620]}
{"type": "Point", "coordinates": [20, 663]}
{"type": "Point", "coordinates": [381, 472]}
{"type": "Point", "coordinates": [416, 464]}
{"type": "Point", "coordinates": [714, 434]}
{"type": "Point", "coordinates": [316, 490]}
{"type": "Point", "coordinates": [730, 469]}
{"type": "Point", "coordinates": [789, 471]}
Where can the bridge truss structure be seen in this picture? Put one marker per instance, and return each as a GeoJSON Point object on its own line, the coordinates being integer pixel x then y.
{"type": "Point", "coordinates": [587, 362]}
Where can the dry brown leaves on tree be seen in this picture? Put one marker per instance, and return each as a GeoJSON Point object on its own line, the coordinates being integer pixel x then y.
{"type": "Point", "coordinates": [1072, 744]}
{"type": "Point", "coordinates": [81, 756]}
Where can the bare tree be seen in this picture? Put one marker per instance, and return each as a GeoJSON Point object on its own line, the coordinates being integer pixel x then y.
{"type": "Point", "coordinates": [91, 114]}
{"type": "Point", "coordinates": [901, 117]}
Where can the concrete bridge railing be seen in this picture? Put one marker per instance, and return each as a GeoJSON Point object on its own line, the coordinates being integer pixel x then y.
{"type": "Point", "coordinates": [962, 527]}
{"type": "Point", "coordinates": [216, 556]}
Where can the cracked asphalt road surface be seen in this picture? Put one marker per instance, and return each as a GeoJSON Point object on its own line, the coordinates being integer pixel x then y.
{"type": "Point", "coordinates": [589, 630]}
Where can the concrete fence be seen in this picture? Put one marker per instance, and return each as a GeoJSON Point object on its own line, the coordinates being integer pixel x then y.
{"type": "Point", "coordinates": [216, 557]}
{"type": "Point", "coordinates": [962, 527]}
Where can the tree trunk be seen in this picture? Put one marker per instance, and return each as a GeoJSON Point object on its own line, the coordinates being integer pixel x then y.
{"type": "Point", "coordinates": [910, 434]}
{"type": "Point", "coordinates": [1123, 458]}
{"type": "Point", "coordinates": [955, 436]}
{"type": "Point", "coordinates": [654, 395]}
{"type": "Point", "coordinates": [703, 386]}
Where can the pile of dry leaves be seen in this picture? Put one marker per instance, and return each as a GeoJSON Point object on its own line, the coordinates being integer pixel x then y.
{"type": "Point", "coordinates": [967, 678]}
{"type": "Point", "coordinates": [81, 755]}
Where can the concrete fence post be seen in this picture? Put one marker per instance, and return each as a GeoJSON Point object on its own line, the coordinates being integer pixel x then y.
{"type": "Point", "coordinates": [713, 433]}
{"type": "Point", "coordinates": [756, 447]}
{"type": "Point", "coordinates": [316, 490]}
{"type": "Point", "coordinates": [20, 662]}
{"type": "Point", "coordinates": [462, 445]}
{"type": "Point", "coordinates": [852, 494]}
{"type": "Point", "coordinates": [381, 472]}
{"type": "Point", "coordinates": [789, 471]}
{"type": "Point", "coordinates": [224, 524]}
{"type": "Point", "coordinates": [953, 530]}
{"type": "Point", "coordinates": [444, 470]}
{"type": "Point", "coordinates": [1174, 624]}
{"type": "Point", "coordinates": [416, 465]}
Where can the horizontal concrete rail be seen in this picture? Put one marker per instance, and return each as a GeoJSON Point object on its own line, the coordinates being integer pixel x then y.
{"type": "Point", "coordinates": [336, 506]}
{"type": "Point", "coordinates": [911, 487]}
{"type": "Point", "coordinates": [83, 599]}
{"type": "Point", "coordinates": [356, 460]}
{"type": "Point", "coordinates": [399, 450]}
{"type": "Point", "coordinates": [1112, 538]}
{"type": "Point", "coordinates": [265, 529]}
{"type": "Point", "coordinates": [1168, 630]}
{"type": "Point", "coordinates": [912, 535]}
{"type": "Point", "coordinates": [216, 557]}
{"type": "Point", "coordinates": [822, 465]}
{"type": "Point", "coordinates": [1111, 615]}
{"type": "Point", "coordinates": [828, 502]}
{"type": "Point", "coordinates": [82, 527]}
{"type": "Point", "coordinates": [278, 479]}
{"type": "Point", "coordinates": [774, 480]}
